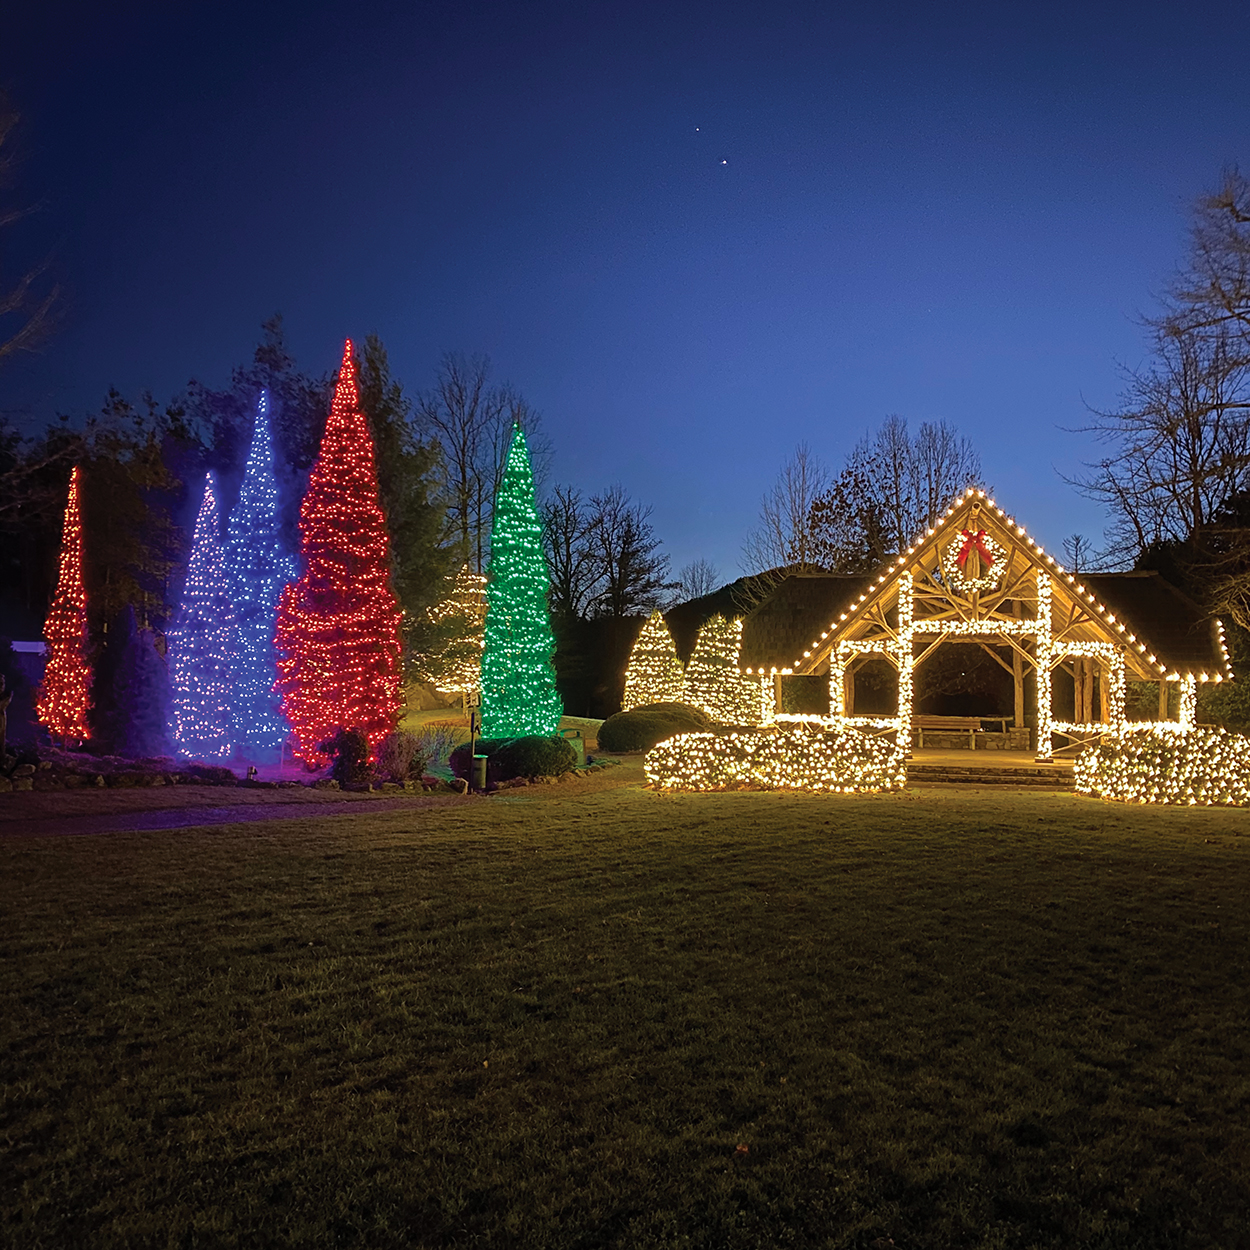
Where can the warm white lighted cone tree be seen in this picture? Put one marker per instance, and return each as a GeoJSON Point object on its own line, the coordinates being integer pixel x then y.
{"type": "Point", "coordinates": [713, 680]}
{"type": "Point", "coordinates": [654, 673]}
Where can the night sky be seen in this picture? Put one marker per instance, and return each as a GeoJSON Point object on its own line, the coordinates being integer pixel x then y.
{"type": "Point", "coordinates": [690, 234]}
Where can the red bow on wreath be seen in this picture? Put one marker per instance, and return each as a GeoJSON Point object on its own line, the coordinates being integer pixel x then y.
{"type": "Point", "coordinates": [974, 540]}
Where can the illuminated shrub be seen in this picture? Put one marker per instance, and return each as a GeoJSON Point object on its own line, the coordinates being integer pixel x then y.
{"type": "Point", "coordinates": [654, 673]}
{"type": "Point", "coordinates": [641, 728]}
{"type": "Point", "coordinates": [1145, 763]}
{"type": "Point", "coordinates": [713, 680]}
{"type": "Point", "coordinates": [829, 759]}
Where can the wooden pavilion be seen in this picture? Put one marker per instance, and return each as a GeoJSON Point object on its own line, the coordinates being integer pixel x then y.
{"type": "Point", "coordinates": [976, 577]}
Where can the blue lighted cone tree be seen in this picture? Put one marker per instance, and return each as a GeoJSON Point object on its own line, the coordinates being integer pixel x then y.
{"type": "Point", "coordinates": [200, 645]}
{"type": "Point", "coordinates": [258, 569]}
{"type": "Point", "coordinates": [518, 682]}
{"type": "Point", "coordinates": [337, 633]}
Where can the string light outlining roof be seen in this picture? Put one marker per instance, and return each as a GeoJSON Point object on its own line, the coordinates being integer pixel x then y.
{"type": "Point", "coordinates": [1044, 561]}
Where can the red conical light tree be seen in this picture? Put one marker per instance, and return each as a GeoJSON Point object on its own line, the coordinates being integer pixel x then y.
{"type": "Point", "coordinates": [338, 626]}
{"type": "Point", "coordinates": [65, 694]}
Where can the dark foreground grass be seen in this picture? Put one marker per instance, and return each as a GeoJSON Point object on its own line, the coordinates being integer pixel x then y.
{"type": "Point", "coordinates": [634, 1020]}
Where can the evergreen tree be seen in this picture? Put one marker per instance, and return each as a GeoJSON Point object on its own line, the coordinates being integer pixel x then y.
{"type": "Point", "coordinates": [129, 499]}
{"type": "Point", "coordinates": [409, 490]}
{"type": "Point", "coordinates": [451, 661]}
{"type": "Point", "coordinates": [257, 569]}
{"type": "Point", "coordinates": [144, 681]}
{"type": "Point", "coordinates": [200, 645]}
{"type": "Point", "coordinates": [518, 682]}
{"type": "Point", "coordinates": [654, 673]}
{"type": "Point", "coordinates": [64, 696]}
{"type": "Point", "coordinates": [130, 695]}
{"type": "Point", "coordinates": [220, 421]}
{"type": "Point", "coordinates": [713, 680]}
{"type": "Point", "coordinates": [338, 626]}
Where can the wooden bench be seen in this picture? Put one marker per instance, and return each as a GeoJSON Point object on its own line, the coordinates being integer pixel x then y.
{"type": "Point", "coordinates": [970, 725]}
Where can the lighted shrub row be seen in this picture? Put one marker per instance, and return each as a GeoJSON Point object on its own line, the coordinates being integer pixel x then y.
{"type": "Point", "coordinates": [837, 760]}
{"type": "Point", "coordinates": [1159, 764]}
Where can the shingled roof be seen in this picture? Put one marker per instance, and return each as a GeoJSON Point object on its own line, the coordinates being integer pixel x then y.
{"type": "Point", "coordinates": [1171, 624]}
{"type": "Point", "coordinates": [801, 608]}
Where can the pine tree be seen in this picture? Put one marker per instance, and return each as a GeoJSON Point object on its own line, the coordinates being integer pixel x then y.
{"type": "Point", "coordinates": [338, 626]}
{"type": "Point", "coordinates": [257, 569]}
{"type": "Point", "coordinates": [713, 680]}
{"type": "Point", "coordinates": [452, 658]}
{"type": "Point", "coordinates": [65, 694]}
{"type": "Point", "coordinates": [200, 645]}
{"type": "Point", "coordinates": [518, 682]}
{"type": "Point", "coordinates": [654, 673]}
{"type": "Point", "coordinates": [130, 696]}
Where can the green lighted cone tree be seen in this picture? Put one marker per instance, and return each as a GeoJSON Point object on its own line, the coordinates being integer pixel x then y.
{"type": "Point", "coordinates": [518, 682]}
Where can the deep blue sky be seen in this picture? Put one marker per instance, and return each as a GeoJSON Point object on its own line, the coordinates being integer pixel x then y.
{"type": "Point", "coordinates": [943, 211]}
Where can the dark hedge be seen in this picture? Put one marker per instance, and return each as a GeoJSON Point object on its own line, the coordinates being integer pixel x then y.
{"type": "Point", "coordinates": [642, 727]}
{"type": "Point", "coordinates": [532, 756]}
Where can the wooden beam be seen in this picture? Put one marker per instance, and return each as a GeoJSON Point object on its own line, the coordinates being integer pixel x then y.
{"type": "Point", "coordinates": [998, 659]}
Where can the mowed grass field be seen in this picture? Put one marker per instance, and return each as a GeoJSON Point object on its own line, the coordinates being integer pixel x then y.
{"type": "Point", "coordinates": [615, 1018]}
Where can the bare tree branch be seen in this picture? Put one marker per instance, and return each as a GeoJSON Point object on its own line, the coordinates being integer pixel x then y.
{"type": "Point", "coordinates": [28, 310]}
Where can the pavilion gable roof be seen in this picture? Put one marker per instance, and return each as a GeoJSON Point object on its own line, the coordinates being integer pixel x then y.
{"type": "Point", "coordinates": [805, 617]}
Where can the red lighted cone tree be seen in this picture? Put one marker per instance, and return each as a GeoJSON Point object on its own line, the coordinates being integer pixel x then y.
{"type": "Point", "coordinates": [338, 626]}
{"type": "Point", "coordinates": [65, 694]}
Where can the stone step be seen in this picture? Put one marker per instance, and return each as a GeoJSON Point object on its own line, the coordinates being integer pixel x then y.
{"type": "Point", "coordinates": [1043, 777]}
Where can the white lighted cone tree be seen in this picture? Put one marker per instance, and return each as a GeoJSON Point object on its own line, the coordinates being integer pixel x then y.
{"type": "Point", "coordinates": [654, 673]}
{"type": "Point", "coordinates": [454, 663]}
{"type": "Point", "coordinates": [713, 680]}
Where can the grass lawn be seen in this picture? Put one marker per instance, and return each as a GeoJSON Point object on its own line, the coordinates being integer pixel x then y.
{"type": "Point", "coordinates": [614, 1018]}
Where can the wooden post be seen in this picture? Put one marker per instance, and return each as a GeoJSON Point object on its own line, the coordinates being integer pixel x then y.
{"type": "Point", "coordinates": [1084, 690]}
{"type": "Point", "coordinates": [849, 687]}
{"type": "Point", "coordinates": [1104, 692]}
{"type": "Point", "coordinates": [1017, 673]}
{"type": "Point", "coordinates": [1163, 699]}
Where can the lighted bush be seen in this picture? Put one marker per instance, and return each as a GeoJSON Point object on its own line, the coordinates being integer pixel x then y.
{"type": "Point", "coordinates": [531, 756]}
{"type": "Point", "coordinates": [1146, 763]}
{"type": "Point", "coordinates": [642, 727]}
{"type": "Point", "coordinates": [833, 759]}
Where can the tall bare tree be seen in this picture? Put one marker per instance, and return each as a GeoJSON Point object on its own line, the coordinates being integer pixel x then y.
{"type": "Point", "coordinates": [634, 572]}
{"type": "Point", "coordinates": [696, 579]}
{"type": "Point", "coordinates": [783, 537]}
{"type": "Point", "coordinates": [892, 487]}
{"type": "Point", "coordinates": [573, 560]}
{"type": "Point", "coordinates": [27, 302]}
{"type": "Point", "coordinates": [471, 418]}
{"type": "Point", "coordinates": [1176, 475]}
